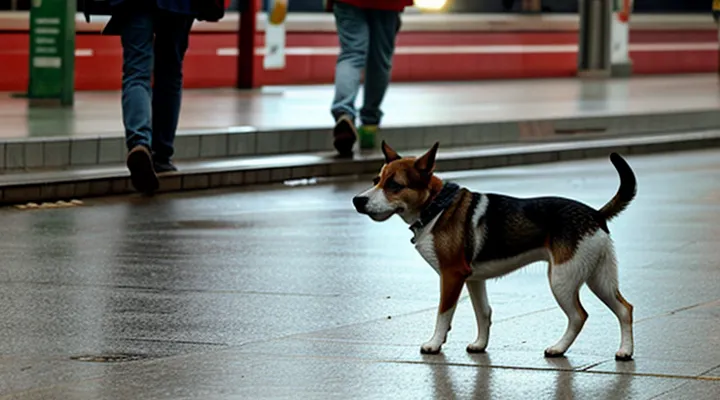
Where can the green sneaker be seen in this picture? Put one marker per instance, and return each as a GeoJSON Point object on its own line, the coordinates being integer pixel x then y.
{"type": "Point", "coordinates": [367, 134]}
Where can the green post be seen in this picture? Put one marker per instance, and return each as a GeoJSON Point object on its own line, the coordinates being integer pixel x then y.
{"type": "Point", "coordinates": [52, 52]}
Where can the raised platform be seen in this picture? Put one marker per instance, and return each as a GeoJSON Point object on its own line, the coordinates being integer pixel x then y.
{"type": "Point", "coordinates": [430, 48]}
{"type": "Point", "coordinates": [287, 130]}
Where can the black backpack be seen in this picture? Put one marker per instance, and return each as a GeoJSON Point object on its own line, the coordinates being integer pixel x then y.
{"type": "Point", "coordinates": [209, 10]}
{"type": "Point", "coordinates": [205, 10]}
{"type": "Point", "coordinates": [95, 7]}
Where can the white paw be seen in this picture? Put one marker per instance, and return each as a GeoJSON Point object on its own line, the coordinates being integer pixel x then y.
{"type": "Point", "coordinates": [477, 347]}
{"type": "Point", "coordinates": [623, 355]}
{"type": "Point", "coordinates": [554, 351]}
{"type": "Point", "coordinates": [430, 347]}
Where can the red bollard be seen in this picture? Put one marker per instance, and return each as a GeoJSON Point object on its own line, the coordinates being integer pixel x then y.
{"type": "Point", "coordinates": [716, 17]}
{"type": "Point", "coordinates": [246, 43]}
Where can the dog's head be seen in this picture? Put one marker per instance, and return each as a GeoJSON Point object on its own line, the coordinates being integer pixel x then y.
{"type": "Point", "coordinates": [403, 187]}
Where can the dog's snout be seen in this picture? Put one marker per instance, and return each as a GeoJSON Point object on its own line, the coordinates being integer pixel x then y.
{"type": "Point", "coordinates": [360, 202]}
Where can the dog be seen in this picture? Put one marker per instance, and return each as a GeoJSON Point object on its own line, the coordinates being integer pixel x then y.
{"type": "Point", "coordinates": [470, 237]}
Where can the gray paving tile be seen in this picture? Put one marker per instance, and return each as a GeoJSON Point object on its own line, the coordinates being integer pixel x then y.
{"type": "Point", "coordinates": [171, 183]}
{"type": "Point", "coordinates": [33, 154]}
{"type": "Point", "coordinates": [414, 137]}
{"type": "Point", "coordinates": [219, 180]}
{"type": "Point", "coordinates": [250, 177]}
{"type": "Point", "coordinates": [294, 142]}
{"type": "Point", "coordinates": [100, 188]}
{"type": "Point", "coordinates": [319, 170]}
{"type": "Point", "coordinates": [280, 174]}
{"type": "Point", "coordinates": [112, 150]}
{"type": "Point", "coordinates": [14, 155]}
{"type": "Point", "coordinates": [213, 145]}
{"type": "Point", "coordinates": [570, 155]}
{"type": "Point", "coordinates": [120, 185]}
{"type": "Point", "coordinates": [268, 142]}
{"type": "Point", "coordinates": [440, 135]}
{"type": "Point", "coordinates": [398, 138]}
{"type": "Point", "coordinates": [82, 189]}
{"type": "Point", "coordinates": [321, 139]}
{"type": "Point", "coordinates": [191, 182]}
{"type": "Point", "coordinates": [300, 173]}
{"type": "Point", "coordinates": [187, 147]}
{"type": "Point", "coordinates": [49, 192]}
{"type": "Point", "coordinates": [341, 168]}
{"type": "Point", "coordinates": [509, 131]}
{"type": "Point", "coordinates": [488, 133]}
{"type": "Point", "coordinates": [242, 144]}
{"type": "Point", "coordinates": [262, 176]}
{"type": "Point", "coordinates": [21, 194]}
{"type": "Point", "coordinates": [57, 153]}
{"type": "Point", "coordinates": [465, 135]}
{"type": "Point", "coordinates": [84, 151]}
{"type": "Point", "coordinates": [65, 191]}
{"type": "Point", "coordinates": [236, 178]}
{"type": "Point", "coordinates": [700, 390]}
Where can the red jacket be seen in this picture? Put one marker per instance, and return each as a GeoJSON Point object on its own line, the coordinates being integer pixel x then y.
{"type": "Point", "coordinates": [391, 5]}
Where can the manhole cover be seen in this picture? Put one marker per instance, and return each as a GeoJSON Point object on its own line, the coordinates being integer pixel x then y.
{"type": "Point", "coordinates": [108, 358]}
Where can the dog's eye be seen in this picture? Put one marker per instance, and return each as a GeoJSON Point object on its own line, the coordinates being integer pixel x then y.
{"type": "Point", "coordinates": [394, 186]}
{"type": "Point", "coordinates": [376, 180]}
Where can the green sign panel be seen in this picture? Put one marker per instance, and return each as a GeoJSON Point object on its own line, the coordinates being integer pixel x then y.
{"type": "Point", "coordinates": [52, 50]}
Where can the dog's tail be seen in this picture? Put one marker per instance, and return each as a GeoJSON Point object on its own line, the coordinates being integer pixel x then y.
{"type": "Point", "coordinates": [626, 192]}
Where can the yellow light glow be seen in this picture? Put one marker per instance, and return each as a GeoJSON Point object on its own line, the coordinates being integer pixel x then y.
{"type": "Point", "coordinates": [430, 5]}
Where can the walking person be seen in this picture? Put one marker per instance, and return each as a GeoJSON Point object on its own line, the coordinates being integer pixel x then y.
{"type": "Point", "coordinates": [154, 36]}
{"type": "Point", "coordinates": [366, 30]}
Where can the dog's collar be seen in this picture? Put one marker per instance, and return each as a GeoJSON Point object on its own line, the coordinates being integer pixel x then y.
{"type": "Point", "coordinates": [436, 206]}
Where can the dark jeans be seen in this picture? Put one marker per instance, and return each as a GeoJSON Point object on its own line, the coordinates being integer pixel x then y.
{"type": "Point", "coordinates": [154, 44]}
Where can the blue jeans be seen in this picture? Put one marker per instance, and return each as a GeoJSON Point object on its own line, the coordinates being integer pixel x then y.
{"type": "Point", "coordinates": [154, 44]}
{"type": "Point", "coordinates": [367, 41]}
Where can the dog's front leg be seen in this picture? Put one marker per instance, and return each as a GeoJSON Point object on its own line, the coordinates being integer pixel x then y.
{"type": "Point", "coordinates": [451, 284]}
{"type": "Point", "coordinates": [478, 296]}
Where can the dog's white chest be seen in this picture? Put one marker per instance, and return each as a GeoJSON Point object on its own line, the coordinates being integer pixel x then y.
{"type": "Point", "coordinates": [425, 244]}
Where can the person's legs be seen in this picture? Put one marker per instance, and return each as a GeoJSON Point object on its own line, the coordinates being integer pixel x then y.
{"type": "Point", "coordinates": [352, 29]}
{"type": "Point", "coordinates": [171, 42]}
{"type": "Point", "coordinates": [137, 39]}
{"type": "Point", "coordinates": [383, 31]}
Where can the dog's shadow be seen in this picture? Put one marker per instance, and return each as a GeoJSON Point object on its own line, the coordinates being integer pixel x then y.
{"type": "Point", "coordinates": [445, 387]}
{"type": "Point", "coordinates": [485, 388]}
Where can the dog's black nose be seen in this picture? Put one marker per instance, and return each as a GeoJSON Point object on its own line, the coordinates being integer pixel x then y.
{"type": "Point", "coordinates": [360, 202]}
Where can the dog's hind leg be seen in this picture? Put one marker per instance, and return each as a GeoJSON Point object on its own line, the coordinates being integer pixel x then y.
{"type": "Point", "coordinates": [570, 266]}
{"type": "Point", "coordinates": [565, 282]}
{"type": "Point", "coordinates": [483, 312]}
{"type": "Point", "coordinates": [451, 284]}
{"type": "Point", "coordinates": [604, 283]}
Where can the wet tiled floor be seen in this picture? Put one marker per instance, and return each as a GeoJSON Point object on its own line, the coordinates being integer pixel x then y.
{"type": "Point", "coordinates": [286, 292]}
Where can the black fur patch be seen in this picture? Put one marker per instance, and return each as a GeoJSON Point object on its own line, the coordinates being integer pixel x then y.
{"type": "Point", "coordinates": [514, 226]}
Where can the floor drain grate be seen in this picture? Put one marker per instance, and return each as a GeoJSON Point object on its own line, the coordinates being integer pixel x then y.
{"type": "Point", "coordinates": [108, 358]}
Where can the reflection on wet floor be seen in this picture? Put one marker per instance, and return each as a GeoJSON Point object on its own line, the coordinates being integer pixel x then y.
{"type": "Point", "coordinates": [285, 292]}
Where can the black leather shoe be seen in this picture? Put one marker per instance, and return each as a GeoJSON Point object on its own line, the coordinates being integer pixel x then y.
{"type": "Point", "coordinates": [344, 136]}
{"type": "Point", "coordinates": [142, 174]}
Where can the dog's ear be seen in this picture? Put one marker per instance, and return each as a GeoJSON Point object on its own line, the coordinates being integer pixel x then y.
{"type": "Point", "coordinates": [390, 154]}
{"type": "Point", "coordinates": [426, 163]}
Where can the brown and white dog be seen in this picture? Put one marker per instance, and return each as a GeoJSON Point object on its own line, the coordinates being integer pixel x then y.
{"type": "Point", "coordinates": [470, 237]}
